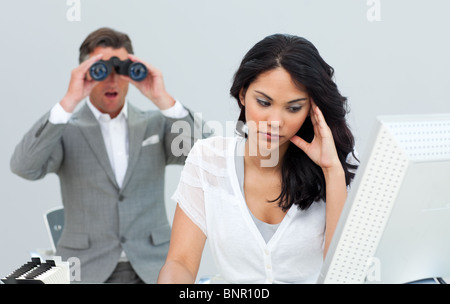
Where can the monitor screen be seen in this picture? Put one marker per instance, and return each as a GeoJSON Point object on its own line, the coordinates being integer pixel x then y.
{"type": "Point", "coordinates": [395, 225]}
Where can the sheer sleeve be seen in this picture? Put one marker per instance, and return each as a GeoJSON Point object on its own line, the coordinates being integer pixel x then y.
{"type": "Point", "coordinates": [189, 193]}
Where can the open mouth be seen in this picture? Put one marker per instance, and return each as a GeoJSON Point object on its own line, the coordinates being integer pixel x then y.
{"type": "Point", "coordinates": [111, 95]}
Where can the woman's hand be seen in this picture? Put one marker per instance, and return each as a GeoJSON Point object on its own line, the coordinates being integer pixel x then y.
{"type": "Point", "coordinates": [322, 149]}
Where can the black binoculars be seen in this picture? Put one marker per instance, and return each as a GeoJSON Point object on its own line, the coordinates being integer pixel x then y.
{"type": "Point", "coordinates": [101, 69]}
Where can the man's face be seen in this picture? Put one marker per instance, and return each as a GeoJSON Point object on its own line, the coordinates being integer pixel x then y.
{"type": "Point", "coordinates": [108, 96]}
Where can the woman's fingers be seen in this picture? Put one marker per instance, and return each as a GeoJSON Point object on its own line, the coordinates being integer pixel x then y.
{"type": "Point", "coordinates": [320, 125]}
{"type": "Point", "coordinates": [300, 142]}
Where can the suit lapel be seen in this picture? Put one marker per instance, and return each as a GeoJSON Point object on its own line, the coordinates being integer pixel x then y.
{"type": "Point", "coordinates": [91, 131]}
{"type": "Point", "coordinates": [137, 125]}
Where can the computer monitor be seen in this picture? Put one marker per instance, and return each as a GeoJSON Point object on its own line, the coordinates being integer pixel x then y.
{"type": "Point", "coordinates": [395, 225]}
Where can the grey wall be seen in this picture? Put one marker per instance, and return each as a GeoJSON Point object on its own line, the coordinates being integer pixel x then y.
{"type": "Point", "coordinates": [396, 65]}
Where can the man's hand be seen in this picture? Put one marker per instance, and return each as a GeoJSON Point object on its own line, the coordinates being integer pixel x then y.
{"type": "Point", "coordinates": [152, 87]}
{"type": "Point", "coordinates": [80, 85]}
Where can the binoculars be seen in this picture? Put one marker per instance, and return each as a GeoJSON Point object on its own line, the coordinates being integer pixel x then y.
{"type": "Point", "coordinates": [101, 69]}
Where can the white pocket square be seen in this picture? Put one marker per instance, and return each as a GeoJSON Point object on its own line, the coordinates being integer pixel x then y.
{"type": "Point", "coordinates": [151, 140]}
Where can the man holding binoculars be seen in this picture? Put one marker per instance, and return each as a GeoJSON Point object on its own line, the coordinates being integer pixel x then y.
{"type": "Point", "coordinates": [108, 95]}
{"type": "Point", "coordinates": [110, 158]}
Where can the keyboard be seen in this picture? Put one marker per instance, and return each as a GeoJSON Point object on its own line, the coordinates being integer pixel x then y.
{"type": "Point", "coordinates": [37, 272]}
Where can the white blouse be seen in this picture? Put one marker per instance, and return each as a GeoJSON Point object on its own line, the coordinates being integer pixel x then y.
{"type": "Point", "coordinates": [210, 195]}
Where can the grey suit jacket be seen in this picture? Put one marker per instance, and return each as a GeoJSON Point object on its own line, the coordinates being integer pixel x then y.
{"type": "Point", "coordinates": [102, 219]}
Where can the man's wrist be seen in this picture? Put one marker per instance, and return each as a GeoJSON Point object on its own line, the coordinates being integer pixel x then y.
{"type": "Point", "coordinates": [58, 115]}
{"type": "Point", "coordinates": [177, 111]}
{"type": "Point", "coordinates": [164, 102]}
{"type": "Point", "coordinates": [68, 104]}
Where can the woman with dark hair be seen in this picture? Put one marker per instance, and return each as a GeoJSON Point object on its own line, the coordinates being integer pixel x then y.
{"type": "Point", "coordinates": [260, 197]}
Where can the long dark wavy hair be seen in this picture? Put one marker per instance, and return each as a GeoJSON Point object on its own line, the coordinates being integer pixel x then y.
{"type": "Point", "coordinates": [303, 181]}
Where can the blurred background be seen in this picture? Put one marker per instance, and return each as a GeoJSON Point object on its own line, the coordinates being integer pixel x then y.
{"type": "Point", "coordinates": [390, 57]}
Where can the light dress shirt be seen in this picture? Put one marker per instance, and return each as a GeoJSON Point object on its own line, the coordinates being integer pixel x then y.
{"type": "Point", "coordinates": [114, 131]}
{"type": "Point", "coordinates": [115, 134]}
